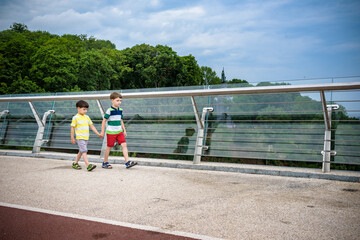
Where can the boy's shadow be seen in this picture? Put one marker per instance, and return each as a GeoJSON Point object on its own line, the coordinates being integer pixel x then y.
{"type": "Point", "coordinates": [183, 144]}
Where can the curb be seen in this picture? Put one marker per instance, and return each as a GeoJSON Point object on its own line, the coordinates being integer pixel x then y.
{"type": "Point", "coordinates": [202, 166]}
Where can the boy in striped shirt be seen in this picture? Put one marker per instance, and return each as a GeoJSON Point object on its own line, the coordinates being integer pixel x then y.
{"type": "Point", "coordinates": [115, 130]}
{"type": "Point", "coordinates": [80, 126]}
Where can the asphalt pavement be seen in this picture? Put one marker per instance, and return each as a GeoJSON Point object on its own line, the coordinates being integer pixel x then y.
{"type": "Point", "coordinates": [189, 203]}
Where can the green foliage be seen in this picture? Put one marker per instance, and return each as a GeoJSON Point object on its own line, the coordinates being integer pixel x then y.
{"type": "Point", "coordinates": [54, 67]}
{"type": "Point", "coordinates": [94, 71]}
{"type": "Point", "coordinates": [120, 67]}
{"type": "Point", "coordinates": [93, 43]}
{"type": "Point", "coordinates": [3, 88]}
{"type": "Point", "coordinates": [15, 52]}
{"type": "Point", "coordinates": [75, 89]}
{"type": "Point", "coordinates": [235, 80]}
{"type": "Point", "coordinates": [191, 71]}
{"type": "Point", "coordinates": [140, 59]}
{"type": "Point", "coordinates": [18, 27]}
{"type": "Point", "coordinates": [37, 61]}
{"type": "Point", "coordinates": [145, 66]}
{"type": "Point", "coordinates": [24, 86]}
{"type": "Point", "coordinates": [209, 76]}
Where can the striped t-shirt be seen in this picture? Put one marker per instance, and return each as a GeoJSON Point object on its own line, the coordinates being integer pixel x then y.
{"type": "Point", "coordinates": [81, 124]}
{"type": "Point", "coordinates": [114, 117]}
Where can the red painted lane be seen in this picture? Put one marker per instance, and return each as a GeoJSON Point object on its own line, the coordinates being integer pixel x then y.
{"type": "Point", "coordinates": [23, 224]}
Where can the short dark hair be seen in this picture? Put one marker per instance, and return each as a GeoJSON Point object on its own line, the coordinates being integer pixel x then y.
{"type": "Point", "coordinates": [189, 131]}
{"type": "Point", "coordinates": [115, 95]}
{"type": "Point", "coordinates": [82, 104]}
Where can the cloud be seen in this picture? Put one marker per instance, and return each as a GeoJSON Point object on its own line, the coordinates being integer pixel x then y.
{"type": "Point", "coordinates": [69, 21]}
{"type": "Point", "coordinates": [265, 35]}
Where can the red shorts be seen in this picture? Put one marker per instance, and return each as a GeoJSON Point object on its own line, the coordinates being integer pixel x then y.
{"type": "Point", "coordinates": [111, 138]}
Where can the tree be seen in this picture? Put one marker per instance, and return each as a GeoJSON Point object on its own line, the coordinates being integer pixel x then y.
{"type": "Point", "coordinates": [48, 62]}
{"type": "Point", "coordinates": [235, 80]}
{"type": "Point", "coordinates": [93, 43]}
{"type": "Point", "coordinates": [160, 66]}
{"type": "Point", "coordinates": [38, 38]}
{"type": "Point", "coordinates": [223, 78]}
{"type": "Point", "coordinates": [139, 58]}
{"type": "Point", "coordinates": [168, 67]}
{"type": "Point", "coordinates": [24, 86]}
{"type": "Point", "coordinates": [15, 54]}
{"type": "Point", "coordinates": [209, 76]}
{"type": "Point", "coordinates": [94, 71]}
{"type": "Point", "coordinates": [19, 27]}
{"type": "Point", "coordinates": [4, 88]}
{"type": "Point", "coordinates": [191, 72]}
{"type": "Point", "coordinates": [53, 67]}
{"type": "Point", "coordinates": [120, 66]}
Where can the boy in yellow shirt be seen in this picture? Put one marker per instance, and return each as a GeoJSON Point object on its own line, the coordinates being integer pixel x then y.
{"type": "Point", "coordinates": [80, 126]}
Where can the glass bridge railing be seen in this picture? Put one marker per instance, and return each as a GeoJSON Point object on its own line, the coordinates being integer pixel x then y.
{"type": "Point", "coordinates": [264, 125]}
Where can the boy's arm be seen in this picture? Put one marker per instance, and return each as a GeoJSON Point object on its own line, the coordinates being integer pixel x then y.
{"type": "Point", "coordinates": [123, 127]}
{"type": "Point", "coordinates": [94, 130]}
{"type": "Point", "coordinates": [72, 132]}
{"type": "Point", "coordinates": [103, 124]}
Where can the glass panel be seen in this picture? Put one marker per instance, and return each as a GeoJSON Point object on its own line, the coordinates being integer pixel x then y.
{"type": "Point", "coordinates": [345, 127]}
{"type": "Point", "coordinates": [284, 126]}
{"type": "Point", "coordinates": [58, 131]}
{"type": "Point", "coordinates": [18, 127]}
{"type": "Point", "coordinates": [159, 125]}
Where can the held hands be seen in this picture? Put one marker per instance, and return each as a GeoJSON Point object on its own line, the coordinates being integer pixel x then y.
{"type": "Point", "coordinates": [101, 135]}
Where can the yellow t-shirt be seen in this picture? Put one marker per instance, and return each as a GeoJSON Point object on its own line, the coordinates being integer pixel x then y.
{"type": "Point", "coordinates": [81, 124]}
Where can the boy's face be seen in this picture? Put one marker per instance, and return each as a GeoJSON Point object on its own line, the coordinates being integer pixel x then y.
{"type": "Point", "coordinates": [82, 110]}
{"type": "Point", "coordinates": [116, 102]}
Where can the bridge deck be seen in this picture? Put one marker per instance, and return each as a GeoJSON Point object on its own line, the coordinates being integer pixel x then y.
{"type": "Point", "coordinates": [186, 203]}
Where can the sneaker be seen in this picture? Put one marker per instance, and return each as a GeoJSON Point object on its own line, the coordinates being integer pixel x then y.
{"type": "Point", "coordinates": [90, 167]}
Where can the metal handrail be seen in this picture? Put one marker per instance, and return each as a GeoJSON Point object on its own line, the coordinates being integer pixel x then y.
{"type": "Point", "coordinates": [202, 92]}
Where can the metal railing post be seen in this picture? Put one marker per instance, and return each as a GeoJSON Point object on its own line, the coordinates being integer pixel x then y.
{"type": "Point", "coordinates": [201, 130]}
{"type": "Point", "coordinates": [196, 111]}
{"type": "Point", "coordinates": [41, 126]}
{"type": "Point", "coordinates": [327, 152]}
{"type": "Point", "coordinates": [104, 143]}
{"type": "Point", "coordinates": [5, 112]}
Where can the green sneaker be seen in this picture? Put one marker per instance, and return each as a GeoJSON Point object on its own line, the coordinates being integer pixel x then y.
{"type": "Point", "coordinates": [90, 167]}
{"type": "Point", "coordinates": [76, 166]}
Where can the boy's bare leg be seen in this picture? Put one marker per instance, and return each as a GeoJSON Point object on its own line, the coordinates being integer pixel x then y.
{"type": "Point", "coordinates": [106, 154]}
{"type": "Point", "coordinates": [78, 156]}
{"type": "Point", "coordinates": [106, 158]}
{"type": "Point", "coordinates": [128, 163]}
{"type": "Point", "coordinates": [84, 155]}
{"type": "Point", "coordinates": [125, 151]}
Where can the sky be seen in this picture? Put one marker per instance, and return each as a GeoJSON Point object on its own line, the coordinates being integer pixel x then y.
{"type": "Point", "coordinates": [255, 40]}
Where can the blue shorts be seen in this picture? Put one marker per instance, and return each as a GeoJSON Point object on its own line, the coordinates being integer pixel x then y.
{"type": "Point", "coordinates": [82, 145]}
